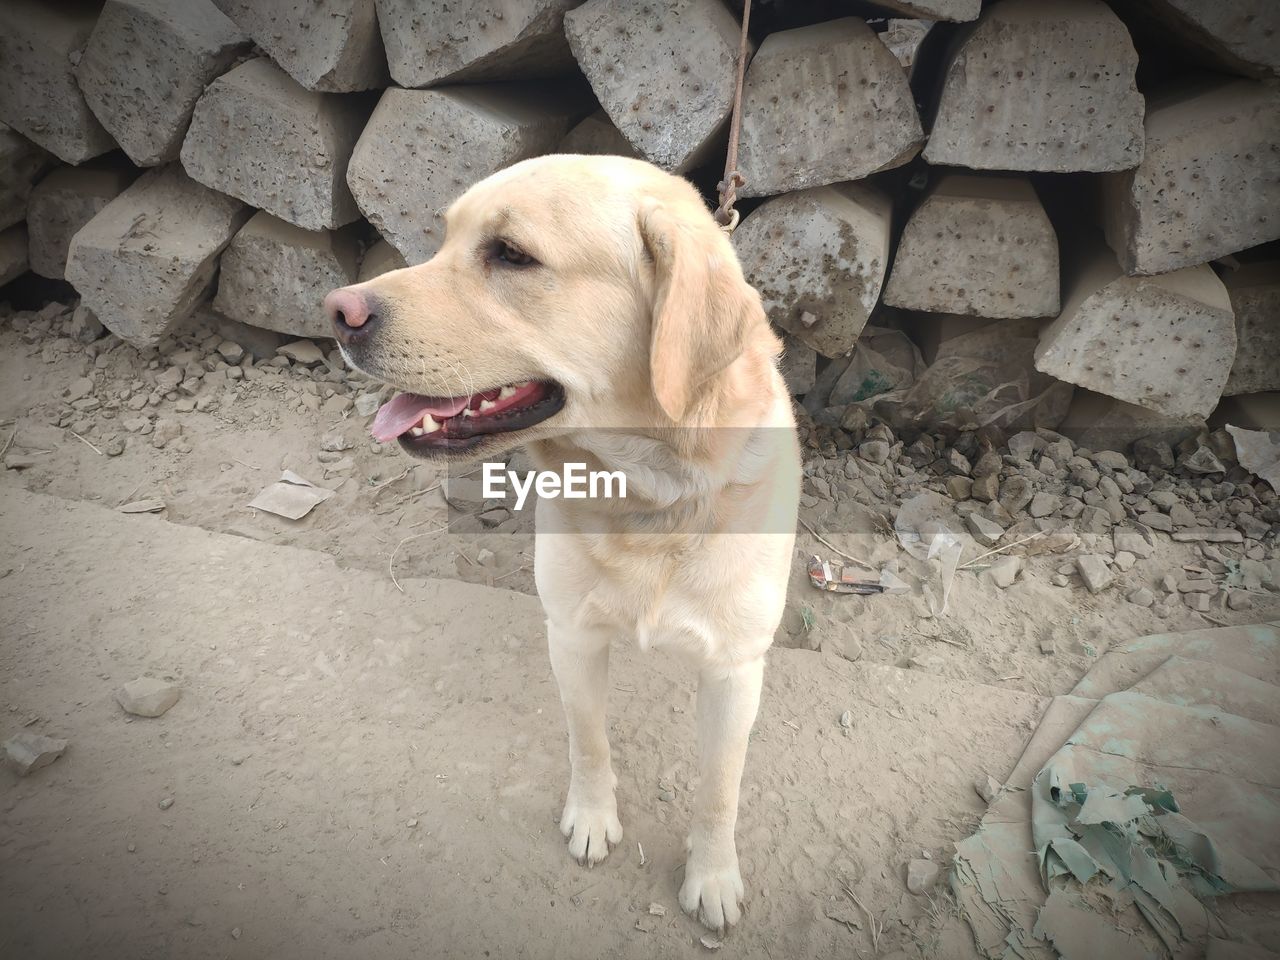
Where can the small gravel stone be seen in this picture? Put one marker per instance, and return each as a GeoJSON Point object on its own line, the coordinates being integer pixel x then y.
{"type": "Point", "coordinates": [1142, 597]}
{"type": "Point", "coordinates": [874, 451]}
{"type": "Point", "coordinates": [921, 875]}
{"type": "Point", "coordinates": [1095, 573]}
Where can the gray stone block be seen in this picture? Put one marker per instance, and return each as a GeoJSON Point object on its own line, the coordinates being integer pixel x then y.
{"type": "Point", "coordinates": [23, 163]}
{"type": "Point", "coordinates": [39, 44]}
{"type": "Point", "coordinates": [380, 258]}
{"type": "Point", "coordinates": [13, 252]}
{"type": "Point", "coordinates": [981, 246]}
{"type": "Point", "coordinates": [1207, 185]}
{"type": "Point", "coordinates": [1041, 85]}
{"type": "Point", "coordinates": [275, 275]}
{"type": "Point", "coordinates": [596, 135]}
{"type": "Point", "coordinates": [257, 134]}
{"type": "Point", "coordinates": [149, 257]}
{"type": "Point", "coordinates": [1254, 290]}
{"type": "Point", "coordinates": [958, 10]}
{"type": "Point", "coordinates": [818, 258]}
{"type": "Point", "coordinates": [434, 41]}
{"type": "Point", "coordinates": [328, 45]}
{"type": "Point", "coordinates": [146, 64]}
{"type": "Point", "coordinates": [422, 148]}
{"type": "Point", "coordinates": [1239, 36]}
{"type": "Point", "coordinates": [822, 104]}
{"type": "Point", "coordinates": [1164, 342]}
{"type": "Point", "coordinates": [662, 71]}
{"type": "Point", "coordinates": [61, 204]}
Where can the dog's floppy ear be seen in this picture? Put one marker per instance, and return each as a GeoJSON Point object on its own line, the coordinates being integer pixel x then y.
{"type": "Point", "coordinates": [702, 306]}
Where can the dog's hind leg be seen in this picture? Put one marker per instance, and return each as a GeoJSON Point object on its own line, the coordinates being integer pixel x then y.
{"type": "Point", "coordinates": [580, 660]}
{"type": "Point", "coordinates": [727, 704]}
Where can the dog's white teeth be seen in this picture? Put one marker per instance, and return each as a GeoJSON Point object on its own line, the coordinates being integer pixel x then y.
{"type": "Point", "coordinates": [506, 392]}
{"type": "Point", "coordinates": [468, 412]}
{"type": "Point", "coordinates": [416, 432]}
{"type": "Point", "coordinates": [486, 405]}
{"type": "Point", "coordinates": [429, 424]}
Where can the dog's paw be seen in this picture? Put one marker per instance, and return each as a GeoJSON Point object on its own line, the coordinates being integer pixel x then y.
{"type": "Point", "coordinates": [713, 895]}
{"type": "Point", "coordinates": [590, 829]}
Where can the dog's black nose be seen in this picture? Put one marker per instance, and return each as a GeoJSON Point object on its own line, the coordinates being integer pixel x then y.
{"type": "Point", "coordinates": [351, 314]}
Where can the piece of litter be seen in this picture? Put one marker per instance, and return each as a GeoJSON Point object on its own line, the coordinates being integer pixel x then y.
{"type": "Point", "coordinates": [142, 506]}
{"type": "Point", "coordinates": [291, 497]}
{"type": "Point", "coordinates": [657, 910]}
{"type": "Point", "coordinates": [1259, 452]}
{"type": "Point", "coordinates": [836, 579]}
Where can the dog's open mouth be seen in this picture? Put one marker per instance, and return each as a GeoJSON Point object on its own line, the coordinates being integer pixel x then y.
{"type": "Point", "coordinates": [461, 423]}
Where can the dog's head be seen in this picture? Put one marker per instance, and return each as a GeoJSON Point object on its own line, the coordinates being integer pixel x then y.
{"type": "Point", "coordinates": [570, 293]}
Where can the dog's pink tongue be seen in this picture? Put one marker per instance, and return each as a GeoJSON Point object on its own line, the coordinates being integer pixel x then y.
{"type": "Point", "coordinates": [406, 410]}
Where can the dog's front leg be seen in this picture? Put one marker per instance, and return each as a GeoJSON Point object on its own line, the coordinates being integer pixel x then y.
{"type": "Point", "coordinates": [580, 661]}
{"type": "Point", "coordinates": [727, 704]}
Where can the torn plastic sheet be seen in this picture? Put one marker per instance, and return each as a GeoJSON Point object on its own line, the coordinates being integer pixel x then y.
{"type": "Point", "coordinates": [1258, 452]}
{"type": "Point", "coordinates": [1103, 860]}
{"type": "Point", "coordinates": [291, 497]}
{"type": "Point", "coordinates": [923, 527]}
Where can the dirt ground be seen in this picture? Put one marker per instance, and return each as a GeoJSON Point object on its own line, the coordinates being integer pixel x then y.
{"type": "Point", "coordinates": [358, 769]}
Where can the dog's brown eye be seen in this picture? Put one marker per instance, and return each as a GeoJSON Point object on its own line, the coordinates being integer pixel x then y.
{"type": "Point", "coordinates": [512, 255]}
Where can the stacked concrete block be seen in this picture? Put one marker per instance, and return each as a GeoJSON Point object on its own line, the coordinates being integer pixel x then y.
{"type": "Point", "coordinates": [39, 44]}
{"type": "Point", "coordinates": [435, 41]}
{"type": "Point", "coordinates": [1240, 36]}
{"type": "Point", "coordinates": [257, 134]}
{"type": "Point", "coordinates": [146, 64]}
{"type": "Point", "coordinates": [597, 135]}
{"type": "Point", "coordinates": [1044, 85]}
{"type": "Point", "coordinates": [1165, 343]}
{"type": "Point", "coordinates": [1254, 290]}
{"type": "Point", "coordinates": [149, 256]}
{"type": "Point", "coordinates": [818, 258]}
{"type": "Point", "coordinates": [822, 104]}
{"type": "Point", "coordinates": [980, 246]}
{"type": "Point", "coordinates": [23, 163]}
{"type": "Point", "coordinates": [1207, 185]}
{"type": "Point", "coordinates": [13, 252]}
{"type": "Point", "coordinates": [956, 10]}
{"type": "Point", "coordinates": [664, 72]}
{"type": "Point", "coordinates": [422, 148]}
{"type": "Point", "coordinates": [275, 275]}
{"type": "Point", "coordinates": [380, 258]}
{"type": "Point", "coordinates": [61, 204]}
{"type": "Point", "coordinates": [328, 45]}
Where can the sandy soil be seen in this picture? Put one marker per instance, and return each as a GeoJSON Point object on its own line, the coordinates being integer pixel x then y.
{"type": "Point", "coordinates": [361, 771]}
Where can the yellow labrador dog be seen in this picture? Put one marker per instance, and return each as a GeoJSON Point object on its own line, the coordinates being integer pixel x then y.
{"type": "Point", "coordinates": [590, 309]}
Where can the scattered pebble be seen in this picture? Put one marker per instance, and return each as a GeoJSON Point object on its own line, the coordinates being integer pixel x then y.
{"type": "Point", "coordinates": [1095, 573]}
{"type": "Point", "coordinates": [148, 697]}
{"type": "Point", "coordinates": [166, 803]}
{"type": "Point", "coordinates": [27, 752]}
{"type": "Point", "coordinates": [921, 875]}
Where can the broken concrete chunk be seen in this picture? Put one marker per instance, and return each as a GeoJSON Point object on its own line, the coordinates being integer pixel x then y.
{"type": "Point", "coordinates": [1004, 571]}
{"type": "Point", "coordinates": [329, 45]}
{"type": "Point", "coordinates": [436, 41]}
{"type": "Point", "coordinates": [1095, 573]}
{"type": "Point", "coordinates": [921, 875]}
{"type": "Point", "coordinates": [23, 163]}
{"type": "Point", "coordinates": [61, 204]}
{"type": "Point", "coordinates": [145, 102]}
{"type": "Point", "coordinates": [1239, 36]}
{"type": "Point", "coordinates": [1254, 290]}
{"type": "Point", "coordinates": [818, 258]}
{"type": "Point", "coordinates": [38, 94]}
{"type": "Point", "coordinates": [1044, 86]}
{"type": "Point", "coordinates": [422, 148]}
{"type": "Point", "coordinates": [663, 72]}
{"type": "Point", "coordinates": [596, 135]}
{"type": "Point", "coordinates": [1165, 343]}
{"type": "Point", "coordinates": [793, 136]}
{"type": "Point", "coordinates": [275, 275]}
{"type": "Point", "coordinates": [302, 351]}
{"type": "Point", "coordinates": [985, 530]}
{"type": "Point", "coordinates": [1134, 540]}
{"type": "Point", "coordinates": [26, 751]}
{"type": "Point", "coordinates": [380, 258]}
{"type": "Point", "coordinates": [981, 246]}
{"type": "Point", "coordinates": [957, 10]}
{"type": "Point", "coordinates": [1205, 186]}
{"type": "Point", "coordinates": [149, 256]}
{"type": "Point", "coordinates": [259, 135]}
{"type": "Point", "coordinates": [148, 697]}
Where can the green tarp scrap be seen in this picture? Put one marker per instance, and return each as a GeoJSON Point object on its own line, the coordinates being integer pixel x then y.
{"type": "Point", "coordinates": [1131, 809]}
